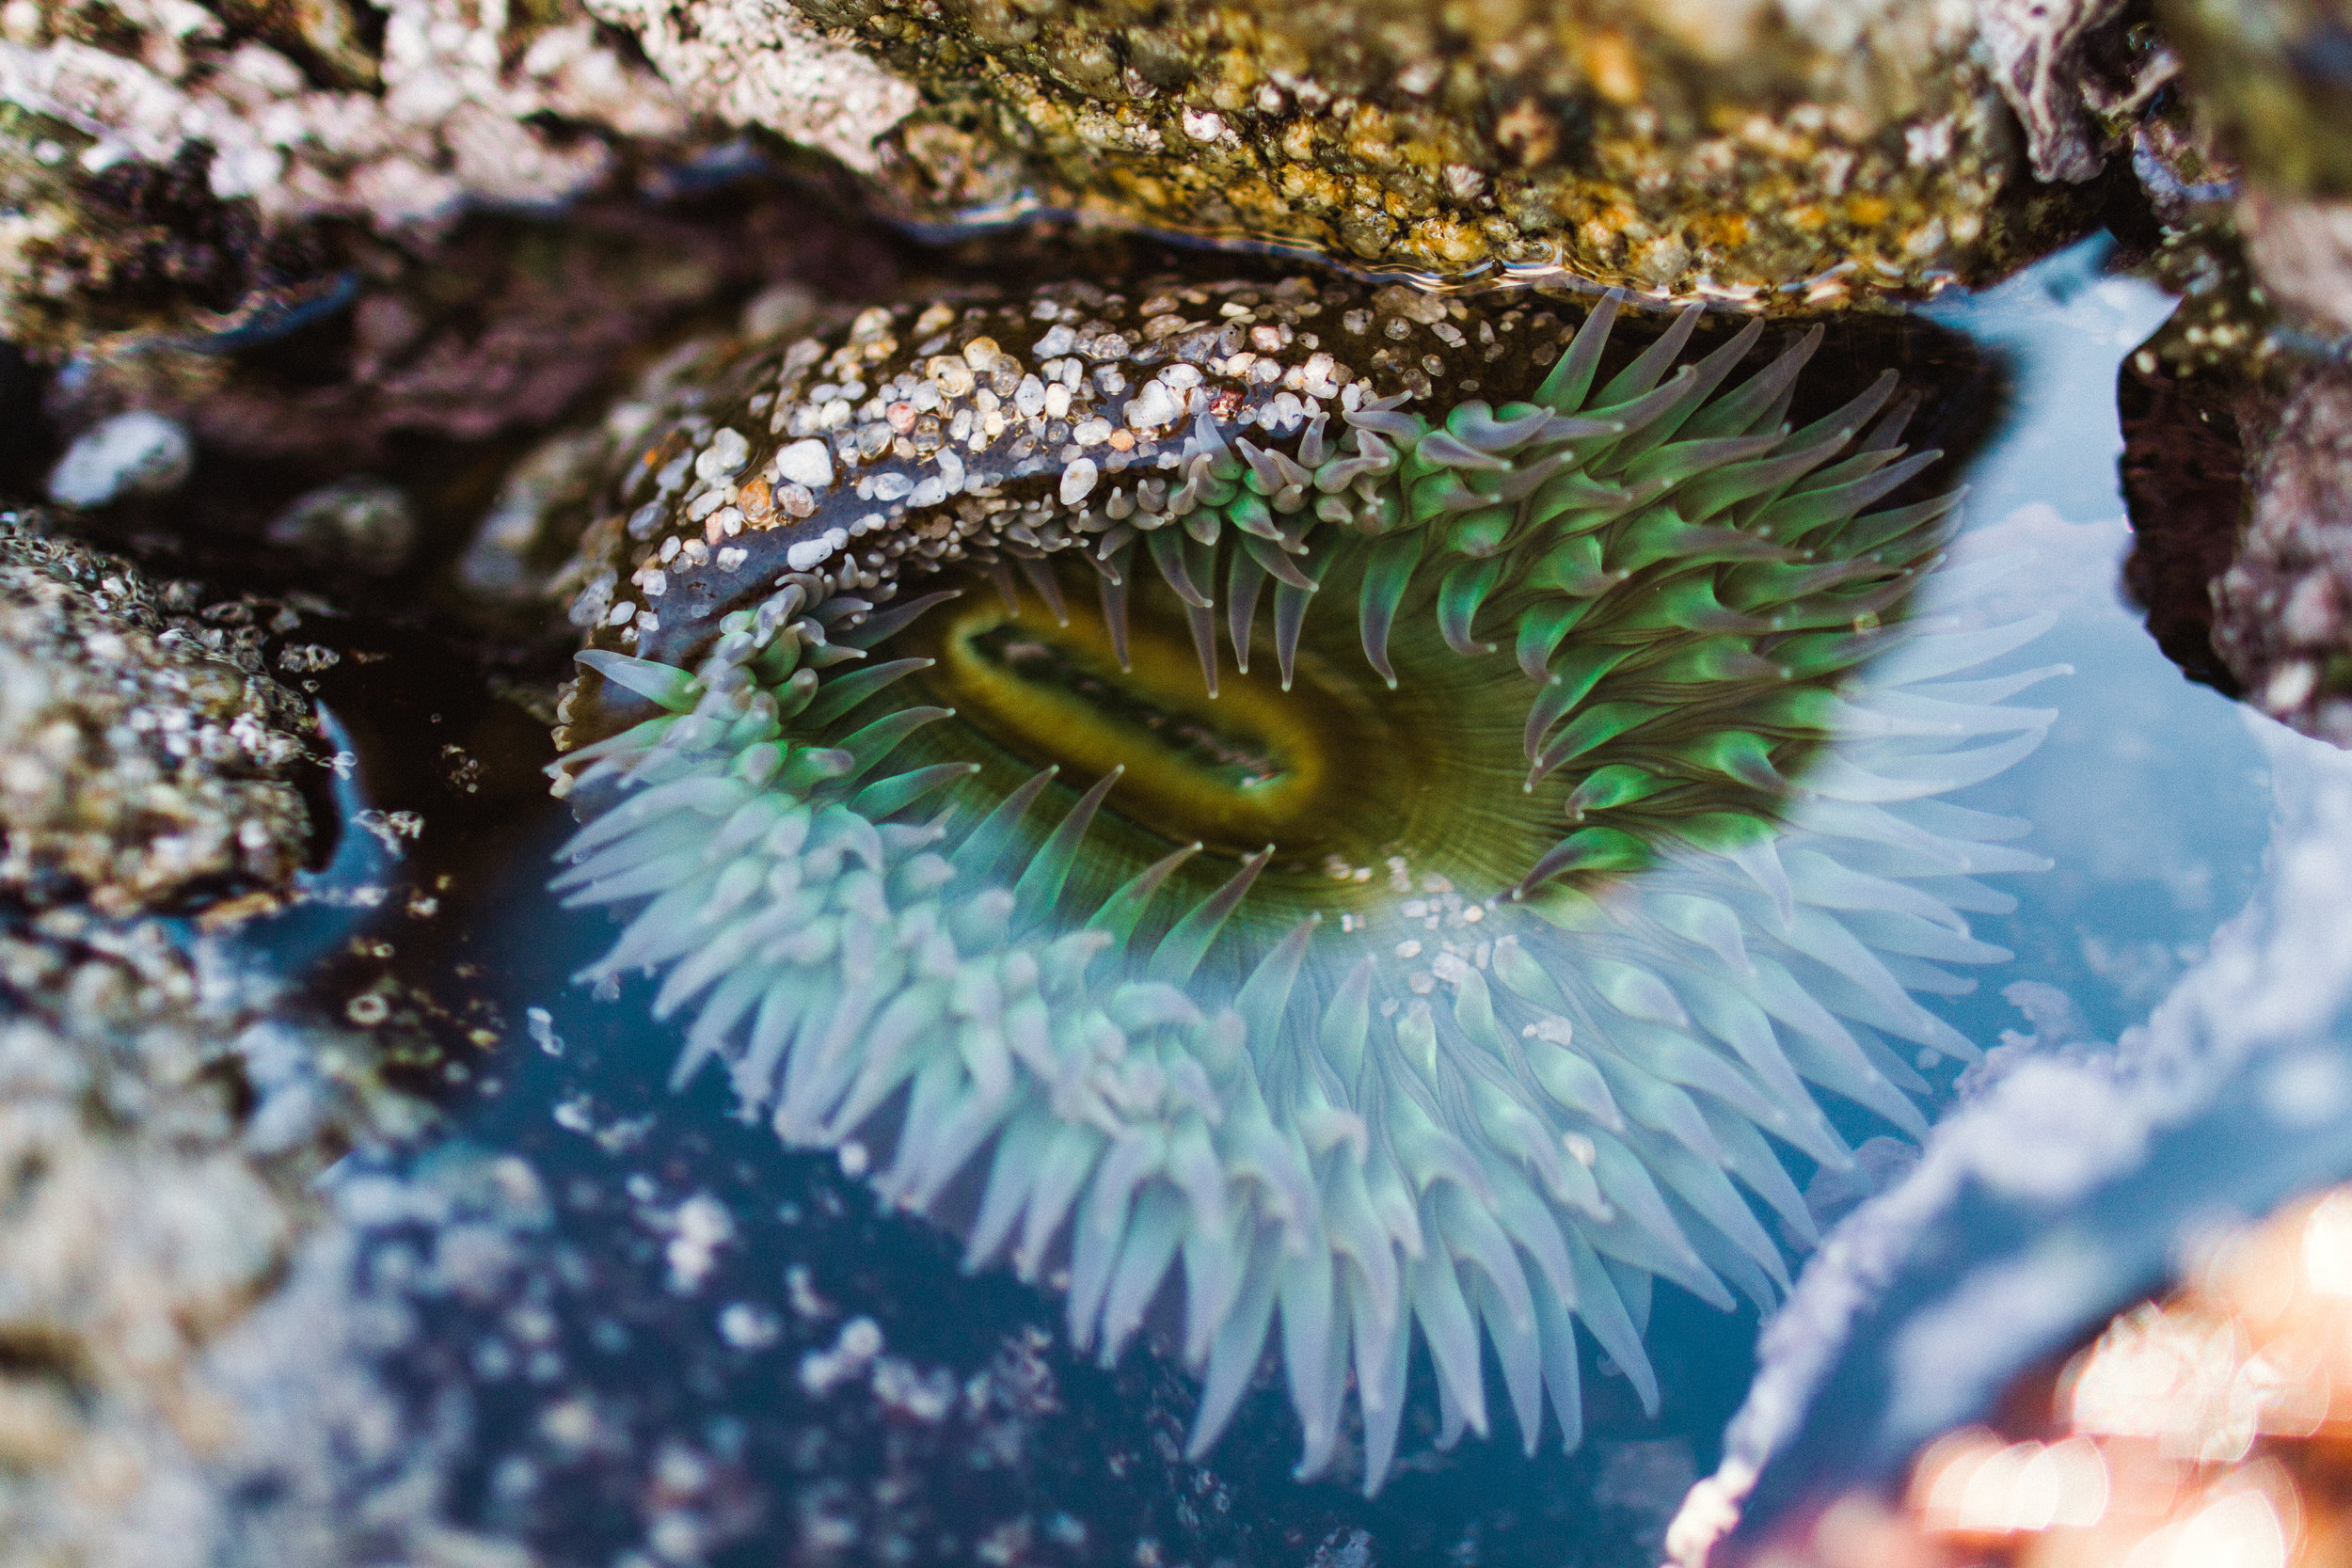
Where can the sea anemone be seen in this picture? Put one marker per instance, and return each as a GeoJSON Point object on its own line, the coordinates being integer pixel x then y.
{"type": "Point", "coordinates": [1447, 967]}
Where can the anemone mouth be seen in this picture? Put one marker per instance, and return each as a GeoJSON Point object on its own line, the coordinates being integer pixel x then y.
{"type": "Point", "coordinates": [1304, 767]}
{"type": "Point", "coordinates": [1434, 972]}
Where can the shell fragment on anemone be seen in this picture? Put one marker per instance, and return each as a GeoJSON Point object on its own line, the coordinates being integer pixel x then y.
{"type": "Point", "coordinates": [1354, 821]}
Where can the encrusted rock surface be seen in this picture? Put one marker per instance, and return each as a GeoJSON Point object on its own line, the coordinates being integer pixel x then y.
{"type": "Point", "coordinates": [2237, 470]}
{"type": "Point", "coordinates": [146, 755]}
{"type": "Point", "coordinates": [1752, 150]}
{"type": "Point", "coordinates": [155, 157]}
{"type": "Point", "coordinates": [167, 169]}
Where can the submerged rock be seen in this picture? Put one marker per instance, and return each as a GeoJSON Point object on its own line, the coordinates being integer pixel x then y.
{"type": "Point", "coordinates": [363, 523]}
{"type": "Point", "coordinates": [160, 1119]}
{"type": "Point", "coordinates": [1758, 151]}
{"type": "Point", "coordinates": [137, 453]}
{"type": "Point", "coordinates": [150, 758]}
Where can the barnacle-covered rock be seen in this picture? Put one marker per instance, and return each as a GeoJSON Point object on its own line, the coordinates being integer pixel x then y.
{"type": "Point", "coordinates": [1427, 975]}
{"type": "Point", "coordinates": [169, 168]}
{"type": "Point", "coordinates": [149, 758]}
{"type": "Point", "coordinates": [131, 249]}
{"type": "Point", "coordinates": [1754, 149]}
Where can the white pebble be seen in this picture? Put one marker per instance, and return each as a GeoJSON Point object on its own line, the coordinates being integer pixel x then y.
{"type": "Point", "coordinates": [724, 457]}
{"type": "Point", "coordinates": [138, 453]}
{"type": "Point", "coordinates": [1152, 408]}
{"type": "Point", "coordinates": [1077, 481]}
{"type": "Point", "coordinates": [808, 463]}
{"type": "Point", "coordinates": [813, 552]}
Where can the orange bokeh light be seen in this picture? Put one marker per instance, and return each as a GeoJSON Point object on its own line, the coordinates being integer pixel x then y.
{"type": "Point", "coordinates": [2210, 1430]}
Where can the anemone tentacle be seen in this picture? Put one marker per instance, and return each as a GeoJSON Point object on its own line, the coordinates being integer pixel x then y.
{"type": "Point", "coordinates": [1478, 1116]}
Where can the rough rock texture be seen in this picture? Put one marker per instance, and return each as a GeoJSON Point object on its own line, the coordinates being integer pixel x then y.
{"type": "Point", "coordinates": [146, 757]}
{"type": "Point", "coordinates": [2239, 486]}
{"type": "Point", "coordinates": [2042, 59]}
{"type": "Point", "coordinates": [2303, 249]}
{"type": "Point", "coordinates": [766, 64]}
{"type": "Point", "coordinates": [1760, 149]}
{"type": "Point", "coordinates": [2238, 414]}
{"type": "Point", "coordinates": [2284, 609]}
{"type": "Point", "coordinates": [110, 255]}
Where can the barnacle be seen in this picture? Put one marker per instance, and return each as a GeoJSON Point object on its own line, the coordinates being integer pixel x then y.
{"type": "Point", "coordinates": [1442, 970]}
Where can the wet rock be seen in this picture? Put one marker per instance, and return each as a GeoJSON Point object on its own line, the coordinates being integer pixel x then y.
{"type": "Point", "coordinates": [118, 250]}
{"type": "Point", "coordinates": [2284, 609]}
{"type": "Point", "coordinates": [137, 453]}
{"type": "Point", "coordinates": [1772, 152]}
{"type": "Point", "coordinates": [2237, 473]}
{"type": "Point", "coordinates": [2184, 480]}
{"type": "Point", "coordinates": [756, 64]}
{"type": "Point", "coordinates": [148, 758]}
{"type": "Point", "coordinates": [495, 328]}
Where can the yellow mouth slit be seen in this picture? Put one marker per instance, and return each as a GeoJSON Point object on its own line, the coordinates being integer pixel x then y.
{"type": "Point", "coordinates": [1252, 764]}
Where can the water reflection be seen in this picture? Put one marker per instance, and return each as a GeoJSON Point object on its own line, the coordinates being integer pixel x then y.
{"type": "Point", "coordinates": [2066, 1182]}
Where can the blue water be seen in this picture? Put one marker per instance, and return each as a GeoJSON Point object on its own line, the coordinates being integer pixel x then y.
{"type": "Point", "coordinates": [2149, 792]}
